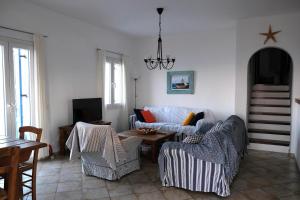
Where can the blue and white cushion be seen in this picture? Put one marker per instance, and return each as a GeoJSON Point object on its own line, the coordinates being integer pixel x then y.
{"type": "Point", "coordinates": [193, 139]}
{"type": "Point", "coordinates": [216, 127]}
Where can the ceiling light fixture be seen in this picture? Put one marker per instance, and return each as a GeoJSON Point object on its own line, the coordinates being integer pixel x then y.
{"type": "Point", "coordinates": [159, 62]}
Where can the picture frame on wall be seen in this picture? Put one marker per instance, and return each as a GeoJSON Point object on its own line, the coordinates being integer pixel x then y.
{"type": "Point", "coordinates": [180, 82]}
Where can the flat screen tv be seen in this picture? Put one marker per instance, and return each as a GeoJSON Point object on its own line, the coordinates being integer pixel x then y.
{"type": "Point", "coordinates": [87, 110]}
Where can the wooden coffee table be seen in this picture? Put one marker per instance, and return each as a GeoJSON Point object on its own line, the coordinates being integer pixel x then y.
{"type": "Point", "coordinates": [153, 140]}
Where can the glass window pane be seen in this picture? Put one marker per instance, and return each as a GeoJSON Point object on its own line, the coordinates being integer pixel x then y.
{"type": "Point", "coordinates": [117, 83]}
{"type": "Point", "coordinates": [2, 94]}
{"type": "Point", "coordinates": [21, 61]}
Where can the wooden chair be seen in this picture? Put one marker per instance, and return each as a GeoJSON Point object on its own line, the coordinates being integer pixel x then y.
{"type": "Point", "coordinates": [9, 158]}
{"type": "Point", "coordinates": [26, 166]}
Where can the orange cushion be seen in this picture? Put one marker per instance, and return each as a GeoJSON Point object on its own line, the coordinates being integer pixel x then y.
{"type": "Point", "coordinates": [148, 116]}
{"type": "Point", "coordinates": [188, 119]}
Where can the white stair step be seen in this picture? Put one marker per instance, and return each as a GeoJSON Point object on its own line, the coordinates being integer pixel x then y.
{"type": "Point", "coordinates": [269, 147]}
{"type": "Point", "coordinates": [271, 94]}
{"type": "Point", "coordinates": [274, 110]}
{"type": "Point", "coordinates": [271, 102]}
{"type": "Point", "coordinates": [269, 127]}
{"type": "Point", "coordinates": [268, 118]}
{"type": "Point", "coordinates": [269, 136]}
{"type": "Point", "coordinates": [262, 87]}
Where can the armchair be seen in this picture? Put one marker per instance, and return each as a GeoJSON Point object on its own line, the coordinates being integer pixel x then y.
{"type": "Point", "coordinates": [101, 151]}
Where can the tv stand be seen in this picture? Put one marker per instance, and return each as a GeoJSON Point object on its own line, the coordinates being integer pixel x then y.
{"type": "Point", "coordinates": [64, 132]}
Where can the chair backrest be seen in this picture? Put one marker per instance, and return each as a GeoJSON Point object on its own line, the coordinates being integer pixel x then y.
{"type": "Point", "coordinates": [37, 132]}
{"type": "Point", "coordinates": [9, 158]}
{"type": "Point", "coordinates": [31, 129]}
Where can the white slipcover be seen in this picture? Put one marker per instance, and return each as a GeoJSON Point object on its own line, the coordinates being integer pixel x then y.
{"type": "Point", "coordinates": [170, 118]}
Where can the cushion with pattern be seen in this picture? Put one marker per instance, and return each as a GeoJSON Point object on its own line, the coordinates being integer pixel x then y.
{"type": "Point", "coordinates": [193, 139]}
{"type": "Point", "coordinates": [216, 127]}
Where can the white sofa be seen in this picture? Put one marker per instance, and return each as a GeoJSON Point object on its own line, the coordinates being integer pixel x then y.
{"type": "Point", "coordinates": [170, 118]}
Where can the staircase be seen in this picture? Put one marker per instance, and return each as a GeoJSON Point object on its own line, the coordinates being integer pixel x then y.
{"type": "Point", "coordinates": [269, 119]}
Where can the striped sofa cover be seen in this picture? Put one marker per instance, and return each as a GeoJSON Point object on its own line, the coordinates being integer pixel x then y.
{"type": "Point", "coordinates": [209, 166]}
{"type": "Point", "coordinates": [183, 170]}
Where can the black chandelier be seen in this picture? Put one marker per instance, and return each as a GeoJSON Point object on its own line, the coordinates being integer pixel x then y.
{"type": "Point", "coordinates": [160, 62]}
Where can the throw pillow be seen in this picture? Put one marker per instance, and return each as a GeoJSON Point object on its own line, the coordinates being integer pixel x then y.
{"type": "Point", "coordinates": [216, 127]}
{"type": "Point", "coordinates": [188, 119]}
{"type": "Point", "coordinates": [148, 116]}
{"type": "Point", "coordinates": [139, 115]}
{"type": "Point", "coordinates": [197, 117]}
{"type": "Point", "coordinates": [193, 139]}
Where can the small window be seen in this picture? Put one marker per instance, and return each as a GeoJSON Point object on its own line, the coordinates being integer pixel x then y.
{"type": "Point", "coordinates": [113, 81]}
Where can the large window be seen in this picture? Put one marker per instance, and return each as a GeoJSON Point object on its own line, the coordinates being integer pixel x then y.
{"type": "Point", "coordinates": [113, 81]}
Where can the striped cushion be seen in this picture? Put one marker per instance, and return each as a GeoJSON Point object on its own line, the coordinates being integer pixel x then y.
{"type": "Point", "coordinates": [193, 139]}
{"type": "Point", "coordinates": [216, 127]}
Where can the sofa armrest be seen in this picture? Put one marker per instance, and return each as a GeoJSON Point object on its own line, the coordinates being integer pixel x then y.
{"type": "Point", "coordinates": [182, 146]}
{"type": "Point", "coordinates": [132, 120]}
{"type": "Point", "coordinates": [199, 151]}
{"type": "Point", "coordinates": [204, 125]}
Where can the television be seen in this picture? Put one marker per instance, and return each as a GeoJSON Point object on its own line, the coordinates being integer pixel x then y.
{"type": "Point", "coordinates": [87, 110]}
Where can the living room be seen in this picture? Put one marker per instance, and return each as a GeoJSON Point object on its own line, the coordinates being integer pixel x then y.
{"type": "Point", "coordinates": [215, 40]}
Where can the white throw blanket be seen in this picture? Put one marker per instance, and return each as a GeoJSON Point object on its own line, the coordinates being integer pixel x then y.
{"type": "Point", "coordinates": [96, 138]}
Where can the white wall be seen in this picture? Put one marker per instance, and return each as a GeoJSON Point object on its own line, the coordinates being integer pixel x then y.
{"type": "Point", "coordinates": [210, 54]}
{"type": "Point", "coordinates": [249, 41]}
{"type": "Point", "coordinates": [70, 53]}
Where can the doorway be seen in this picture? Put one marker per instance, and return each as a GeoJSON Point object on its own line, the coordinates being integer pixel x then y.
{"type": "Point", "coordinates": [16, 85]}
{"type": "Point", "coordinates": [269, 99]}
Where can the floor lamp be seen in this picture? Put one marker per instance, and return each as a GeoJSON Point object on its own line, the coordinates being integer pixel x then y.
{"type": "Point", "coordinates": [135, 79]}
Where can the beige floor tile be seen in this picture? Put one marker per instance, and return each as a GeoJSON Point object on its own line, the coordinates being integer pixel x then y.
{"type": "Point", "coordinates": [259, 194]}
{"type": "Point", "coordinates": [70, 177]}
{"type": "Point", "coordinates": [45, 196]}
{"type": "Point", "coordinates": [99, 193]}
{"type": "Point", "coordinates": [74, 195]}
{"type": "Point", "coordinates": [47, 179]}
{"type": "Point", "coordinates": [69, 186]}
{"type": "Point", "coordinates": [91, 184]}
{"type": "Point", "coordinates": [294, 197]}
{"type": "Point", "coordinates": [120, 190]}
{"type": "Point", "coordinates": [114, 184]}
{"type": "Point", "coordinates": [176, 194]}
{"type": "Point", "coordinates": [125, 197]}
{"type": "Point", "coordinates": [151, 196]}
{"type": "Point", "coordinates": [144, 188]}
{"type": "Point", "coordinates": [277, 190]}
{"type": "Point", "coordinates": [49, 172]}
{"type": "Point", "coordinates": [46, 188]}
{"type": "Point", "coordinates": [139, 178]}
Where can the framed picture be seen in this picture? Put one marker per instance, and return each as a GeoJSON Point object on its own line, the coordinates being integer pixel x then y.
{"type": "Point", "coordinates": [180, 82]}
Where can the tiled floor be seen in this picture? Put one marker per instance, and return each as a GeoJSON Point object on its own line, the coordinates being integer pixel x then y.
{"type": "Point", "coordinates": [263, 175]}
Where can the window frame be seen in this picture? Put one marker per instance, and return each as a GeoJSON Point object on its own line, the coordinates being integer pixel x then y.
{"type": "Point", "coordinates": [112, 100]}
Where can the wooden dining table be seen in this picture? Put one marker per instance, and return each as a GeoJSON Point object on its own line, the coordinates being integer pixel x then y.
{"type": "Point", "coordinates": [26, 148]}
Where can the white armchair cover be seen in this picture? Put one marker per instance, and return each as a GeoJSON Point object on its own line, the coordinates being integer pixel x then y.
{"type": "Point", "coordinates": [101, 151]}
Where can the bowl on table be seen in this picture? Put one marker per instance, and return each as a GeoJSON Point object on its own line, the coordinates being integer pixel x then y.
{"type": "Point", "coordinates": [146, 131]}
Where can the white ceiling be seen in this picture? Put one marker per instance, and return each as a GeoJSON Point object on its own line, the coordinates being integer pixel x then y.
{"type": "Point", "coordinates": [139, 17]}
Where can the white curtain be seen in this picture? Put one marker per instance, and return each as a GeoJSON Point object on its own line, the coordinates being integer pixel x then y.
{"type": "Point", "coordinates": [41, 106]}
{"type": "Point", "coordinates": [123, 117]}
